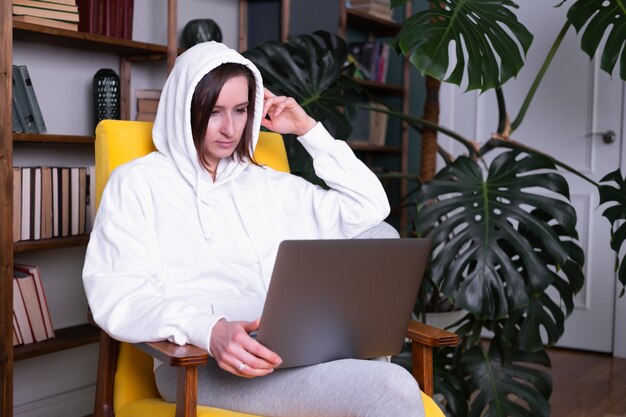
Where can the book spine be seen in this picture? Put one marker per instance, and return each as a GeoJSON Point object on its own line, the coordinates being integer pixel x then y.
{"type": "Point", "coordinates": [19, 309]}
{"type": "Point", "coordinates": [128, 18]}
{"type": "Point", "coordinates": [46, 202]}
{"type": "Point", "coordinates": [74, 200]}
{"type": "Point", "coordinates": [55, 202]}
{"type": "Point", "coordinates": [82, 199]}
{"type": "Point", "coordinates": [17, 204]}
{"type": "Point", "coordinates": [32, 99]}
{"type": "Point", "coordinates": [21, 102]}
{"type": "Point", "coordinates": [25, 207]}
{"type": "Point", "coordinates": [64, 199]}
{"type": "Point", "coordinates": [16, 124]}
{"type": "Point", "coordinates": [87, 14]}
{"type": "Point", "coordinates": [37, 204]}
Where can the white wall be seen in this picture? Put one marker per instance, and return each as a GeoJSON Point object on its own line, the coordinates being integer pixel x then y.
{"type": "Point", "coordinates": [62, 383]}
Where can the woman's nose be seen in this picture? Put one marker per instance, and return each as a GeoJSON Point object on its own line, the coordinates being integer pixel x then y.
{"type": "Point", "coordinates": [227, 127]}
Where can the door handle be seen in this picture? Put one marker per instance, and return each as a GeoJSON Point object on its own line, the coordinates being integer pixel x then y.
{"type": "Point", "coordinates": [607, 137]}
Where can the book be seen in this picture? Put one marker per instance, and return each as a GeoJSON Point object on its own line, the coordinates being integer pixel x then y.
{"type": "Point", "coordinates": [64, 201]}
{"type": "Point", "coordinates": [19, 310]}
{"type": "Point", "coordinates": [25, 206]}
{"type": "Point", "coordinates": [17, 336]}
{"type": "Point", "coordinates": [88, 14]}
{"type": "Point", "coordinates": [17, 203]}
{"type": "Point", "coordinates": [27, 83]}
{"type": "Point", "coordinates": [20, 100]}
{"type": "Point", "coordinates": [127, 32]}
{"type": "Point", "coordinates": [16, 125]}
{"type": "Point", "coordinates": [46, 5]}
{"type": "Point", "coordinates": [90, 202]}
{"type": "Point", "coordinates": [46, 13]}
{"type": "Point", "coordinates": [378, 125]}
{"type": "Point", "coordinates": [55, 202]}
{"type": "Point", "coordinates": [74, 200]}
{"type": "Point", "coordinates": [46, 22]}
{"type": "Point", "coordinates": [36, 203]}
{"type": "Point", "coordinates": [145, 117]}
{"type": "Point", "coordinates": [82, 199]}
{"type": "Point", "coordinates": [46, 202]}
{"type": "Point", "coordinates": [147, 105]}
{"type": "Point", "coordinates": [35, 301]}
{"type": "Point", "coordinates": [148, 93]}
{"type": "Point", "coordinates": [68, 2]}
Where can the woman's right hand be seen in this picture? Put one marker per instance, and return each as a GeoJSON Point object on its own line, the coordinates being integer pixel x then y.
{"type": "Point", "coordinates": [238, 353]}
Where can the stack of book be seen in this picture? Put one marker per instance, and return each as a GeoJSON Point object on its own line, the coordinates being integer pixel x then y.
{"type": "Point", "coordinates": [61, 14]}
{"type": "Point", "coordinates": [147, 104]}
{"type": "Point", "coordinates": [27, 117]}
{"type": "Point", "coordinates": [51, 202]}
{"type": "Point", "coordinates": [112, 18]}
{"type": "Point", "coordinates": [378, 8]}
{"type": "Point", "coordinates": [31, 316]}
{"type": "Point", "coordinates": [371, 59]}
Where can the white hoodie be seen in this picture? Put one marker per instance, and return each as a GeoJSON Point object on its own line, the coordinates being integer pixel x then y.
{"type": "Point", "coordinates": [172, 252]}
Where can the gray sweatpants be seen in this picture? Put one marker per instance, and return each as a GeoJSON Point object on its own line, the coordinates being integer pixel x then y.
{"type": "Point", "coordinates": [346, 388]}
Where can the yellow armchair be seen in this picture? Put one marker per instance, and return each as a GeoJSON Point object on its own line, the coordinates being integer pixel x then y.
{"type": "Point", "coordinates": [126, 385]}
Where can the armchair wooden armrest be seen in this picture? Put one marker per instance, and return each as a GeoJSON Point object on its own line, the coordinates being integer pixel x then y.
{"type": "Point", "coordinates": [424, 338]}
{"type": "Point", "coordinates": [186, 358]}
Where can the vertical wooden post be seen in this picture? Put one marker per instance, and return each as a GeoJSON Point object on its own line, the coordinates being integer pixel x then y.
{"type": "Point", "coordinates": [125, 94]}
{"type": "Point", "coordinates": [6, 211]}
{"type": "Point", "coordinates": [284, 19]}
{"type": "Point", "coordinates": [186, 391]}
{"type": "Point", "coordinates": [243, 25]}
{"type": "Point", "coordinates": [423, 361]}
{"type": "Point", "coordinates": [172, 41]}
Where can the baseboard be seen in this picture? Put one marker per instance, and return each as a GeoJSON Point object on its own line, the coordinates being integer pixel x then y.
{"type": "Point", "coordinates": [76, 403]}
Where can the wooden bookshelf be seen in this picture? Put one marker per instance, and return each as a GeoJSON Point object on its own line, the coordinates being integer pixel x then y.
{"type": "Point", "coordinates": [46, 138]}
{"type": "Point", "coordinates": [128, 51]}
{"type": "Point", "coordinates": [54, 243]}
{"type": "Point", "coordinates": [65, 338]}
{"type": "Point", "coordinates": [373, 24]}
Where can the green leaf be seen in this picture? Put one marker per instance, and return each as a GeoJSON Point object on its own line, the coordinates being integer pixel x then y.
{"type": "Point", "coordinates": [490, 43]}
{"type": "Point", "coordinates": [482, 259]}
{"type": "Point", "coordinates": [613, 192]}
{"type": "Point", "coordinates": [502, 385]}
{"type": "Point", "coordinates": [596, 18]}
{"type": "Point", "coordinates": [312, 69]}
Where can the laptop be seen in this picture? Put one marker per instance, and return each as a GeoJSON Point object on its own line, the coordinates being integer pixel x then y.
{"type": "Point", "coordinates": [336, 299]}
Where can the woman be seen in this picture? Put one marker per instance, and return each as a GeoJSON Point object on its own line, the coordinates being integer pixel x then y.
{"type": "Point", "coordinates": [185, 240]}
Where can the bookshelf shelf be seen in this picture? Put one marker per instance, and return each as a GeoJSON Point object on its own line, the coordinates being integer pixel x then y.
{"type": "Point", "coordinates": [373, 24]}
{"type": "Point", "coordinates": [39, 138]}
{"type": "Point", "coordinates": [367, 147]}
{"type": "Point", "coordinates": [86, 41]}
{"type": "Point", "coordinates": [65, 338]}
{"type": "Point", "coordinates": [382, 88]}
{"type": "Point", "coordinates": [55, 243]}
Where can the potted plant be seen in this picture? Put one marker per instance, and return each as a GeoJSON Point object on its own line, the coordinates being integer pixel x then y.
{"type": "Point", "coordinates": [500, 248]}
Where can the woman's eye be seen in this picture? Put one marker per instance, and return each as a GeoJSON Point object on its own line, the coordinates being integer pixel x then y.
{"type": "Point", "coordinates": [242, 110]}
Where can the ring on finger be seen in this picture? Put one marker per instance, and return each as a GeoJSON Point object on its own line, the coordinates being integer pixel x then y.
{"type": "Point", "coordinates": [241, 366]}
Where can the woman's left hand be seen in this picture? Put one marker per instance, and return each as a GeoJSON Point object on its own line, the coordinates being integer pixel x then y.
{"type": "Point", "coordinates": [284, 115]}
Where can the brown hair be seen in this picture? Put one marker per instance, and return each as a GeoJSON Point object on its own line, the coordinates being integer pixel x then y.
{"type": "Point", "coordinates": [204, 99]}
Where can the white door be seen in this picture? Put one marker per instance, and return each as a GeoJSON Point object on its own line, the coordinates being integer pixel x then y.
{"type": "Point", "coordinates": [576, 100]}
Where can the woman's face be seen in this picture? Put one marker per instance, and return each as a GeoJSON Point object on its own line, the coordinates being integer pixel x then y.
{"type": "Point", "coordinates": [227, 121]}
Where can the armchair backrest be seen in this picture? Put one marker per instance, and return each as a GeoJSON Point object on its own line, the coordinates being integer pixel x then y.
{"type": "Point", "coordinates": [118, 142]}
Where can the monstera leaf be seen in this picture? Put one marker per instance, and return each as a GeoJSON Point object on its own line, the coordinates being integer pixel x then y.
{"type": "Point", "coordinates": [312, 70]}
{"type": "Point", "coordinates": [613, 192]}
{"type": "Point", "coordinates": [502, 386]}
{"type": "Point", "coordinates": [481, 260]}
{"type": "Point", "coordinates": [486, 35]}
{"type": "Point", "coordinates": [598, 17]}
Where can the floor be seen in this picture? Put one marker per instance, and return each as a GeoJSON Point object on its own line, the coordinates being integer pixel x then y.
{"type": "Point", "coordinates": [587, 384]}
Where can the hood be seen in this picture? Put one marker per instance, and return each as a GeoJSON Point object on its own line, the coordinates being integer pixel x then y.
{"type": "Point", "coordinates": [172, 127]}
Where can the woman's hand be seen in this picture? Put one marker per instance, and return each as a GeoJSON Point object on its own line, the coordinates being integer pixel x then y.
{"type": "Point", "coordinates": [238, 353]}
{"type": "Point", "coordinates": [284, 115]}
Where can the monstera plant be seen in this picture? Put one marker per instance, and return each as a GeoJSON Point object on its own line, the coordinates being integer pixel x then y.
{"type": "Point", "coordinates": [503, 228]}
{"type": "Point", "coordinates": [312, 69]}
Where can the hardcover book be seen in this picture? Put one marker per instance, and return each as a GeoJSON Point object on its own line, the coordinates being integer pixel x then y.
{"type": "Point", "coordinates": [16, 125]}
{"type": "Point", "coordinates": [25, 206]}
{"type": "Point", "coordinates": [88, 14]}
{"type": "Point", "coordinates": [35, 301]}
{"type": "Point", "coordinates": [46, 13]}
{"type": "Point", "coordinates": [27, 84]}
{"type": "Point", "coordinates": [20, 100]}
{"type": "Point", "coordinates": [46, 22]}
{"type": "Point", "coordinates": [19, 309]}
{"type": "Point", "coordinates": [17, 203]}
{"type": "Point", "coordinates": [46, 5]}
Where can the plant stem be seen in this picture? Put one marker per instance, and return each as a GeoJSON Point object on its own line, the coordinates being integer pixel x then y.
{"type": "Point", "coordinates": [540, 75]}
{"type": "Point", "coordinates": [428, 163]}
{"type": "Point", "coordinates": [502, 116]}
